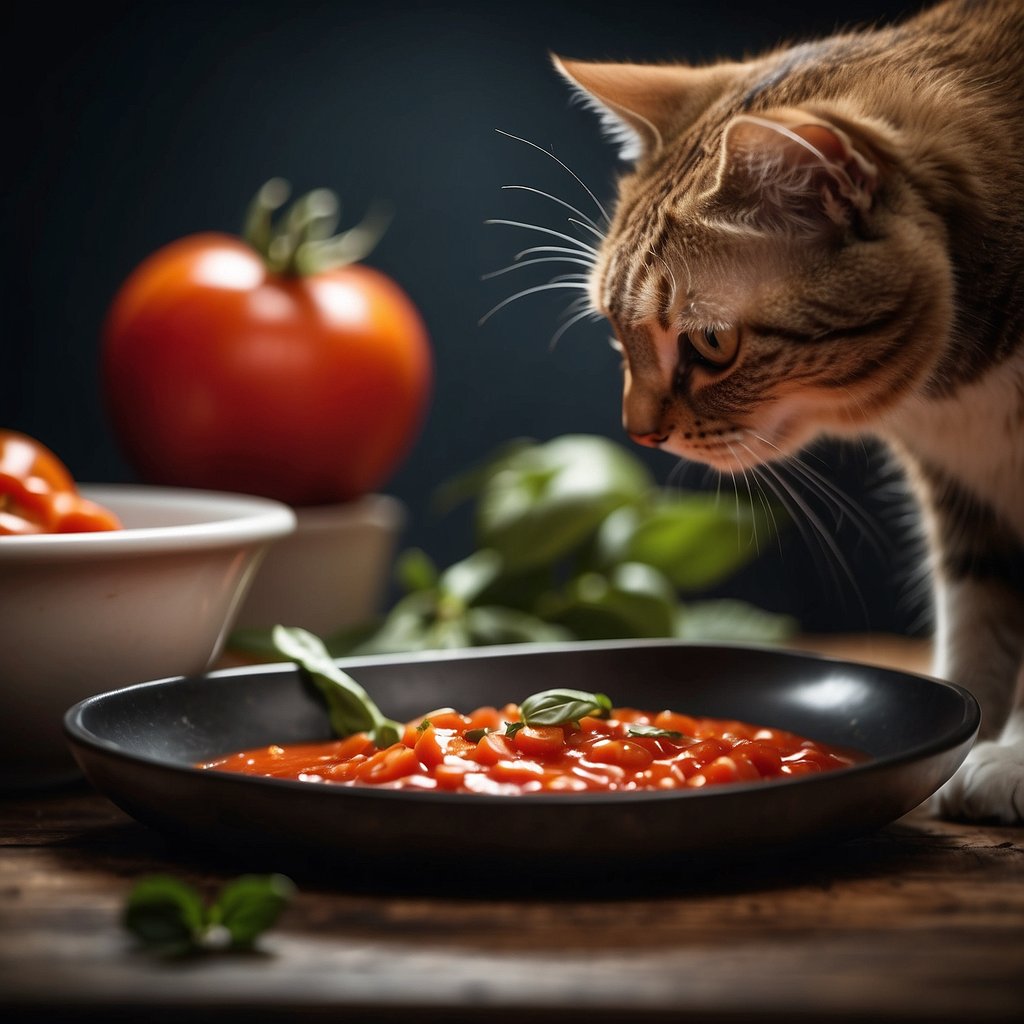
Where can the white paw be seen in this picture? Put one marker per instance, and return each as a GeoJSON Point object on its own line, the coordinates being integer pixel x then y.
{"type": "Point", "coordinates": [988, 787]}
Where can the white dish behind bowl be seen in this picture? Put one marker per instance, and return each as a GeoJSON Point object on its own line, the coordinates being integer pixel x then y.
{"type": "Point", "coordinates": [332, 572]}
{"type": "Point", "coordinates": [82, 613]}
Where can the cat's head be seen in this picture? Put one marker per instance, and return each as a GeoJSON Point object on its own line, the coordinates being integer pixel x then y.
{"type": "Point", "coordinates": [769, 271]}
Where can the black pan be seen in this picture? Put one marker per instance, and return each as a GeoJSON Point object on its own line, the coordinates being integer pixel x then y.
{"type": "Point", "coordinates": [138, 746]}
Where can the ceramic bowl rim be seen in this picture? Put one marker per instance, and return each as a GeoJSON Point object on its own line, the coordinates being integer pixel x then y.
{"type": "Point", "coordinates": [221, 520]}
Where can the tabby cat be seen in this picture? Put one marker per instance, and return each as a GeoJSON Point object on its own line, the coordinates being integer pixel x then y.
{"type": "Point", "coordinates": [829, 240]}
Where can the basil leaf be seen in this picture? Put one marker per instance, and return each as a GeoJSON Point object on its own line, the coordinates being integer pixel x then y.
{"type": "Point", "coordinates": [465, 581]}
{"type": "Point", "coordinates": [539, 504]}
{"type": "Point", "coordinates": [415, 570]}
{"type": "Point", "coordinates": [349, 706]}
{"type": "Point", "coordinates": [166, 914]}
{"type": "Point", "coordinates": [476, 735]}
{"type": "Point", "coordinates": [694, 539]}
{"type": "Point", "coordinates": [511, 728]}
{"type": "Point", "coordinates": [653, 732]}
{"type": "Point", "coordinates": [554, 707]}
{"type": "Point", "coordinates": [169, 916]}
{"type": "Point", "coordinates": [632, 600]}
{"type": "Point", "coordinates": [251, 904]}
{"type": "Point", "coordinates": [492, 624]}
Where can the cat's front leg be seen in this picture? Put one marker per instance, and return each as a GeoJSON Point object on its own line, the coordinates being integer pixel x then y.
{"type": "Point", "coordinates": [980, 644]}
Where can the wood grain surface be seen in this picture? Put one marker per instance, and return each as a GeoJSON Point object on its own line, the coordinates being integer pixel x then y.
{"type": "Point", "coordinates": [922, 921]}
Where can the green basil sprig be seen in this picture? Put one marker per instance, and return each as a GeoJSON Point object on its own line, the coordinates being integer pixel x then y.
{"type": "Point", "coordinates": [170, 917]}
{"type": "Point", "coordinates": [349, 706]}
{"type": "Point", "coordinates": [351, 709]}
{"type": "Point", "coordinates": [556, 707]}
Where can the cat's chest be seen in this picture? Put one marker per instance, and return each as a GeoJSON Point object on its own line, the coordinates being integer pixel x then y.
{"type": "Point", "coordinates": [975, 436]}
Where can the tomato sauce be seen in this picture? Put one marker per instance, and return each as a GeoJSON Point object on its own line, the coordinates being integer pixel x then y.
{"type": "Point", "coordinates": [483, 753]}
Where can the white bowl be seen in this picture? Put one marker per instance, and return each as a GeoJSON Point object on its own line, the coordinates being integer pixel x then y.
{"type": "Point", "coordinates": [332, 572]}
{"type": "Point", "coordinates": [87, 612]}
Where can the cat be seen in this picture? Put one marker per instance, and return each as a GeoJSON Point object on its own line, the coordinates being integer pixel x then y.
{"type": "Point", "coordinates": [829, 240]}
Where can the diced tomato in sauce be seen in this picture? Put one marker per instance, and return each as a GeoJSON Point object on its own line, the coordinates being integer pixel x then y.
{"type": "Point", "coordinates": [597, 755]}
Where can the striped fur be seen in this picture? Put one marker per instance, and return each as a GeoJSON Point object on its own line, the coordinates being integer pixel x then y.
{"type": "Point", "coordinates": [854, 207]}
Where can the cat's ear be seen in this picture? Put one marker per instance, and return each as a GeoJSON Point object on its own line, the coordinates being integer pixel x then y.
{"type": "Point", "coordinates": [642, 105]}
{"type": "Point", "coordinates": [796, 168]}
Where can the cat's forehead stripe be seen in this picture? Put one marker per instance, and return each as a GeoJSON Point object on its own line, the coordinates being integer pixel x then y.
{"type": "Point", "coordinates": [798, 57]}
{"type": "Point", "coordinates": [647, 224]}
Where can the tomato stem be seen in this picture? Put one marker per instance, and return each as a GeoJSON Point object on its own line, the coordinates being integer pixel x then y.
{"type": "Point", "coordinates": [303, 242]}
{"type": "Point", "coordinates": [259, 230]}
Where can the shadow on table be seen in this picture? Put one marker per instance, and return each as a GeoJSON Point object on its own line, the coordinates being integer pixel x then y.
{"type": "Point", "coordinates": [912, 844]}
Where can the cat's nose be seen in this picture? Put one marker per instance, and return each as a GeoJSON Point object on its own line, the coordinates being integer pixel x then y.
{"type": "Point", "coordinates": [652, 440]}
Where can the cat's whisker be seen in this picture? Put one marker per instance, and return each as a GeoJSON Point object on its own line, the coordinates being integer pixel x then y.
{"type": "Point", "coordinates": [769, 510]}
{"type": "Point", "coordinates": [590, 224]}
{"type": "Point", "coordinates": [840, 502]}
{"type": "Point", "coordinates": [826, 544]}
{"type": "Point", "coordinates": [547, 153]}
{"type": "Point", "coordinates": [833, 496]}
{"type": "Point", "coordinates": [582, 315]}
{"type": "Point", "coordinates": [750, 497]}
{"type": "Point", "coordinates": [550, 286]}
{"type": "Point", "coordinates": [683, 466]}
{"type": "Point", "coordinates": [587, 227]}
{"type": "Point", "coordinates": [554, 248]}
{"type": "Point", "coordinates": [576, 305]}
{"type": "Point", "coordinates": [530, 263]}
{"type": "Point", "coordinates": [759, 484]}
{"type": "Point", "coordinates": [581, 246]}
{"type": "Point", "coordinates": [755, 539]}
{"type": "Point", "coordinates": [736, 496]}
{"type": "Point", "coordinates": [797, 511]}
{"type": "Point", "coordinates": [718, 489]}
{"type": "Point", "coordinates": [843, 503]}
{"type": "Point", "coordinates": [736, 493]}
{"type": "Point", "coordinates": [571, 277]}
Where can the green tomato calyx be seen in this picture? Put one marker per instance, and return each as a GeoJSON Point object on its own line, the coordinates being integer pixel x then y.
{"type": "Point", "coordinates": [301, 241]}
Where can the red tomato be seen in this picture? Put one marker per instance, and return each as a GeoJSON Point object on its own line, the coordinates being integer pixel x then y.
{"type": "Point", "coordinates": [224, 374]}
{"type": "Point", "coordinates": [621, 752]}
{"type": "Point", "coordinates": [539, 740]}
{"type": "Point", "coordinates": [38, 495]}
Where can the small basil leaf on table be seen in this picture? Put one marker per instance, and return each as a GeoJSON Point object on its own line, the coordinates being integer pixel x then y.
{"type": "Point", "coordinates": [169, 916]}
{"type": "Point", "coordinates": [349, 706]}
{"type": "Point", "coordinates": [165, 914]}
{"type": "Point", "coordinates": [251, 904]}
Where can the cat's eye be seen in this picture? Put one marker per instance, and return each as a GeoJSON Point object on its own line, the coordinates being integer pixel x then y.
{"type": "Point", "coordinates": [715, 345]}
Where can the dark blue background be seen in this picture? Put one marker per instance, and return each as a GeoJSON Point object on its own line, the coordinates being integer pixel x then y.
{"type": "Point", "coordinates": [132, 124]}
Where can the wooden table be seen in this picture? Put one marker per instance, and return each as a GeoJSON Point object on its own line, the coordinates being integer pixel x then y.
{"type": "Point", "coordinates": [923, 921]}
